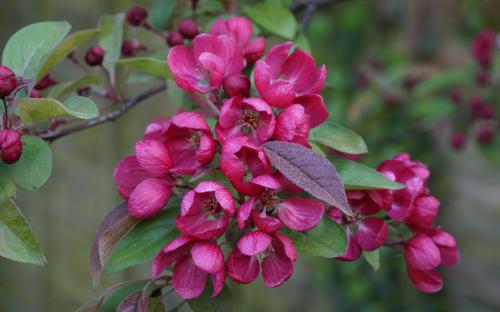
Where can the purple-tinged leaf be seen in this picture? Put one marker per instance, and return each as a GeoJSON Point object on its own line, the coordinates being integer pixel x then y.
{"type": "Point", "coordinates": [134, 303]}
{"type": "Point", "coordinates": [112, 229]}
{"type": "Point", "coordinates": [310, 171]}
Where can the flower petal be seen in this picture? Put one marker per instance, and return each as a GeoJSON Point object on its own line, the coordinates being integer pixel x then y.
{"type": "Point", "coordinates": [154, 157]}
{"type": "Point", "coordinates": [276, 269]}
{"type": "Point", "coordinates": [241, 268]}
{"type": "Point", "coordinates": [170, 253]}
{"type": "Point", "coordinates": [244, 213]}
{"type": "Point", "coordinates": [208, 256]}
{"type": "Point", "coordinates": [128, 174]}
{"type": "Point", "coordinates": [426, 281]}
{"type": "Point", "coordinates": [300, 214]}
{"type": "Point", "coordinates": [314, 107]}
{"type": "Point", "coordinates": [254, 243]}
{"type": "Point", "coordinates": [372, 233]}
{"type": "Point", "coordinates": [148, 198]}
{"type": "Point", "coordinates": [421, 253]}
{"type": "Point", "coordinates": [266, 223]}
{"type": "Point", "coordinates": [218, 281]}
{"type": "Point", "coordinates": [188, 280]}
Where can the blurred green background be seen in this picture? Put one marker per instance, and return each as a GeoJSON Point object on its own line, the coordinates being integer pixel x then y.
{"type": "Point", "coordinates": [395, 33]}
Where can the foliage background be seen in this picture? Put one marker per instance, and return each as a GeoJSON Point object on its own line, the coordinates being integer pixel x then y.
{"type": "Point", "coordinates": [400, 34]}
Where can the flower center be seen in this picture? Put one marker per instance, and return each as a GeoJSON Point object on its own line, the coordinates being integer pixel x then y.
{"type": "Point", "coordinates": [212, 207]}
{"type": "Point", "coordinates": [268, 199]}
{"type": "Point", "coordinates": [195, 139]}
{"type": "Point", "coordinates": [248, 121]}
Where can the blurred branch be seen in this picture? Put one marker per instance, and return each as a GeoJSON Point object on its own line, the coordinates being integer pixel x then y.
{"type": "Point", "coordinates": [308, 8]}
{"type": "Point", "coordinates": [127, 104]}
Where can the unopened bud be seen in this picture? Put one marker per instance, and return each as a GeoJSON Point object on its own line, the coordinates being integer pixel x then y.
{"type": "Point", "coordinates": [35, 94]}
{"type": "Point", "coordinates": [174, 38]}
{"type": "Point", "coordinates": [188, 28]}
{"type": "Point", "coordinates": [45, 82]}
{"type": "Point", "coordinates": [94, 55]}
{"type": "Point", "coordinates": [485, 135]}
{"type": "Point", "coordinates": [136, 16]}
{"type": "Point", "coordinates": [11, 146]}
{"type": "Point", "coordinates": [236, 85]}
{"type": "Point", "coordinates": [130, 47]}
{"type": "Point", "coordinates": [457, 140]}
{"type": "Point", "coordinates": [8, 81]}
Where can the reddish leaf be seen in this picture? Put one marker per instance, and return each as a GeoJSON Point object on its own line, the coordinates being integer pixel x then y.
{"type": "Point", "coordinates": [136, 302]}
{"type": "Point", "coordinates": [111, 230]}
{"type": "Point", "coordinates": [308, 170]}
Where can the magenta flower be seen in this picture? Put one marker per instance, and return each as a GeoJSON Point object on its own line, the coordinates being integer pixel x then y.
{"type": "Point", "coordinates": [195, 260]}
{"type": "Point", "coordinates": [204, 67]}
{"type": "Point", "coordinates": [205, 211]}
{"type": "Point", "coordinates": [241, 161]}
{"type": "Point", "coordinates": [11, 146]}
{"type": "Point", "coordinates": [370, 201]}
{"type": "Point", "coordinates": [282, 77]}
{"type": "Point", "coordinates": [276, 251]}
{"type": "Point", "coordinates": [483, 47]}
{"type": "Point", "coordinates": [188, 139]}
{"type": "Point", "coordinates": [296, 213]}
{"type": "Point", "coordinates": [251, 117]}
{"type": "Point", "coordinates": [241, 29]}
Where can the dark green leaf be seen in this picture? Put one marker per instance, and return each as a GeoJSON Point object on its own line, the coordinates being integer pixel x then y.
{"type": "Point", "coordinates": [327, 239]}
{"type": "Point", "coordinates": [148, 64]}
{"type": "Point", "coordinates": [64, 89]}
{"type": "Point", "coordinates": [41, 109]}
{"type": "Point", "coordinates": [17, 241]}
{"type": "Point", "coordinates": [144, 241]}
{"type": "Point", "coordinates": [160, 12]}
{"type": "Point", "coordinates": [110, 39]}
{"type": "Point", "coordinates": [34, 167]}
{"type": "Point", "coordinates": [310, 171]}
{"type": "Point", "coordinates": [28, 48]}
{"type": "Point", "coordinates": [357, 176]}
{"type": "Point", "coordinates": [373, 258]}
{"type": "Point", "coordinates": [337, 137]}
{"type": "Point", "coordinates": [274, 18]}
{"type": "Point", "coordinates": [68, 45]}
{"type": "Point", "coordinates": [204, 303]}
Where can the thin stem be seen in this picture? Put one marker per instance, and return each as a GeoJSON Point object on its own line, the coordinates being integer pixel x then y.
{"type": "Point", "coordinates": [111, 116]}
{"type": "Point", "coordinates": [5, 115]}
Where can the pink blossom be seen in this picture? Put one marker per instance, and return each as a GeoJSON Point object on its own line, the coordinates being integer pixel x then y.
{"type": "Point", "coordinates": [204, 67]}
{"type": "Point", "coordinates": [372, 233]}
{"type": "Point", "coordinates": [194, 260]}
{"type": "Point", "coordinates": [283, 76]}
{"type": "Point", "coordinates": [250, 117]}
{"type": "Point", "coordinates": [205, 211]}
{"type": "Point", "coordinates": [368, 202]}
{"type": "Point", "coordinates": [483, 47]}
{"type": "Point", "coordinates": [278, 255]}
{"type": "Point", "coordinates": [241, 161]}
{"type": "Point", "coordinates": [240, 29]}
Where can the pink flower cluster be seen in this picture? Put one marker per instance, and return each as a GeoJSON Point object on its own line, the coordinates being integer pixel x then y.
{"type": "Point", "coordinates": [250, 202]}
{"type": "Point", "coordinates": [411, 207]}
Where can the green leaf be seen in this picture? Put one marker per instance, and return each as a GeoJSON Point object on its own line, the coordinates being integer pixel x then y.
{"type": "Point", "coordinates": [274, 18]}
{"type": "Point", "coordinates": [303, 43]}
{"type": "Point", "coordinates": [68, 45]}
{"type": "Point", "coordinates": [443, 81]}
{"type": "Point", "coordinates": [373, 258]}
{"type": "Point", "coordinates": [144, 241]}
{"type": "Point", "coordinates": [110, 39]}
{"type": "Point", "coordinates": [64, 89]}
{"type": "Point", "coordinates": [204, 303]}
{"type": "Point", "coordinates": [27, 49]}
{"type": "Point", "coordinates": [339, 138]}
{"type": "Point", "coordinates": [160, 12]}
{"type": "Point", "coordinates": [35, 110]}
{"type": "Point", "coordinates": [17, 241]}
{"type": "Point", "coordinates": [432, 109]}
{"type": "Point", "coordinates": [327, 239]}
{"type": "Point", "coordinates": [34, 167]}
{"type": "Point", "coordinates": [7, 186]}
{"type": "Point", "coordinates": [356, 176]}
{"type": "Point", "coordinates": [148, 64]}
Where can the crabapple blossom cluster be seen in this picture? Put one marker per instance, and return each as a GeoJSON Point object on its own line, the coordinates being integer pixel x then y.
{"type": "Point", "coordinates": [412, 212]}
{"type": "Point", "coordinates": [476, 106]}
{"type": "Point", "coordinates": [228, 187]}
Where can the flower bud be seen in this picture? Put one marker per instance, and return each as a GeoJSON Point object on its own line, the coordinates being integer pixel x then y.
{"type": "Point", "coordinates": [476, 105]}
{"type": "Point", "coordinates": [455, 95]}
{"type": "Point", "coordinates": [483, 78]}
{"type": "Point", "coordinates": [10, 146]}
{"type": "Point", "coordinates": [94, 55]}
{"type": "Point", "coordinates": [136, 16]}
{"type": "Point", "coordinates": [83, 91]}
{"type": "Point", "coordinates": [188, 28]}
{"type": "Point", "coordinates": [45, 82]}
{"type": "Point", "coordinates": [487, 112]}
{"type": "Point", "coordinates": [35, 94]}
{"type": "Point", "coordinates": [236, 85]}
{"type": "Point", "coordinates": [485, 135]}
{"type": "Point", "coordinates": [174, 38]}
{"type": "Point", "coordinates": [130, 47]}
{"type": "Point", "coordinates": [457, 140]}
{"type": "Point", "coordinates": [8, 81]}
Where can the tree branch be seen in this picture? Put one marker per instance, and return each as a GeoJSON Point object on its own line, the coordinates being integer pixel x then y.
{"type": "Point", "coordinates": [309, 8]}
{"type": "Point", "coordinates": [111, 116]}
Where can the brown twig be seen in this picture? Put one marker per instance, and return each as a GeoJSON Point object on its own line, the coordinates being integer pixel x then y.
{"type": "Point", "coordinates": [111, 116]}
